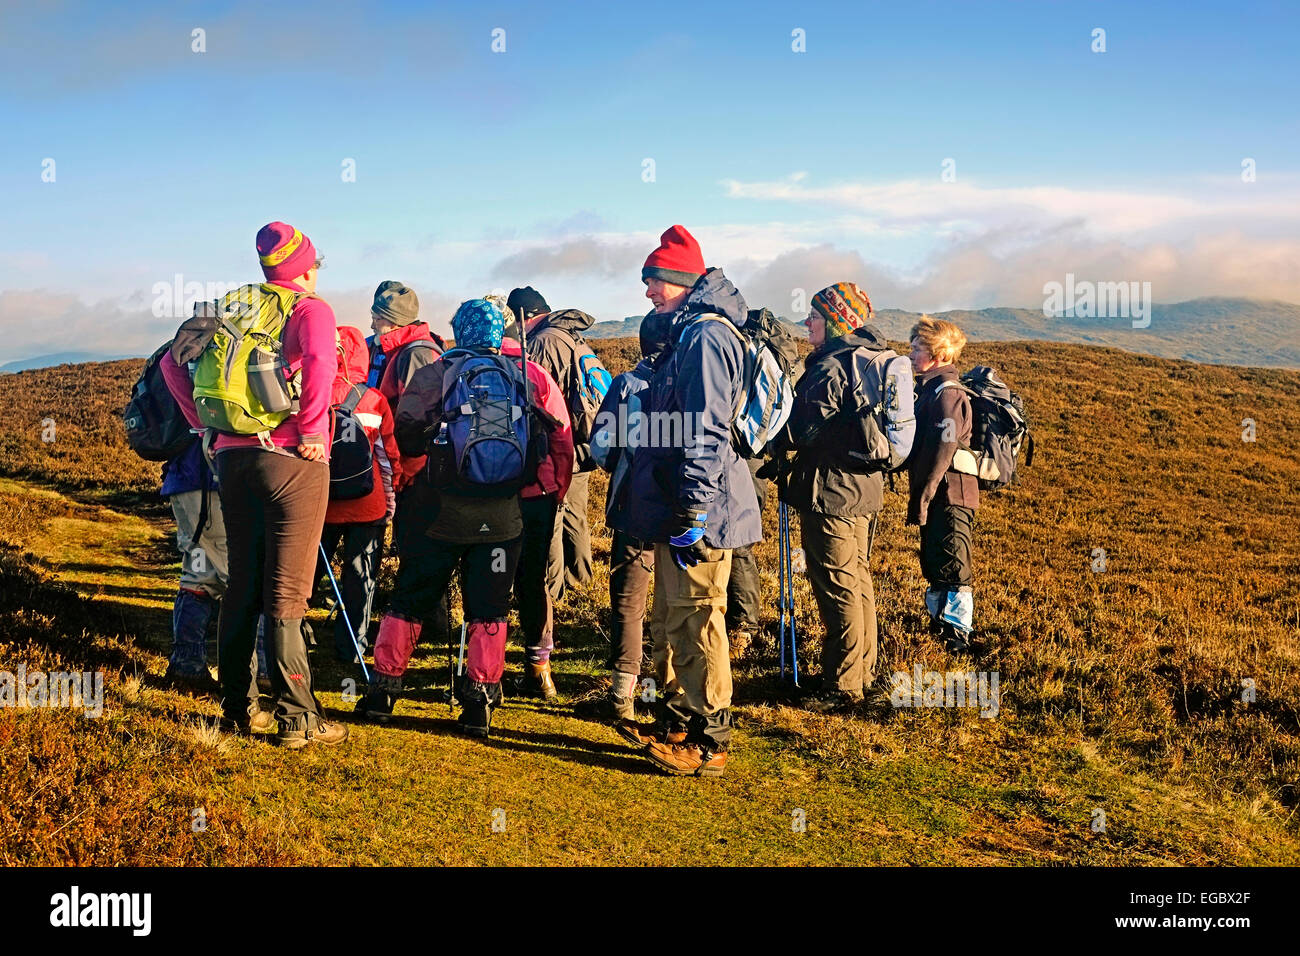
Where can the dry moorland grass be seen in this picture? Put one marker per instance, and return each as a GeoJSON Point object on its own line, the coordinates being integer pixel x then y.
{"type": "Point", "coordinates": [1126, 687]}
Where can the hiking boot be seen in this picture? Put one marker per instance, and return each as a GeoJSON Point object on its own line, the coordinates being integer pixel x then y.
{"type": "Point", "coordinates": [254, 722]}
{"type": "Point", "coordinates": [956, 642]}
{"type": "Point", "coordinates": [200, 683]}
{"type": "Point", "coordinates": [642, 735]}
{"type": "Point", "coordinates": [479, 701]}
{"type": "Point", "coordinates": [317, 732]}
{"type": "Point", "coordinates": [537, 681]}
{"type": "Point", "coordinates": [687, 760]}
{"type": "Point", "coordinates": [741, 639]}
{"type": "Point", "coordinates": [377, 705]}
{"type": "Point", "coordinates": [833, 702]}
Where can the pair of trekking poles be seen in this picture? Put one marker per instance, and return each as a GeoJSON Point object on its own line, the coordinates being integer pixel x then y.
{"type": "Point", "coordinates": [785, 578]}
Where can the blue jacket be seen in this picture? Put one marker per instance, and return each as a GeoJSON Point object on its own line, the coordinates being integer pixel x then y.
{"type": "Point", "coordinates": [377, 359]}
{"type": "Point", "coordinates": [620, 428]}
{"type": "Point", "coordinates": [698, 382]}
{"type": "Point", "coordinates": [185, 472]}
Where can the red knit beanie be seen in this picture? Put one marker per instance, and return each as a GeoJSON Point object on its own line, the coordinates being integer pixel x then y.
{"type": "Point", "coordinates": [677, 260]}
{"type": "Point", "coordinates": [285, 253]}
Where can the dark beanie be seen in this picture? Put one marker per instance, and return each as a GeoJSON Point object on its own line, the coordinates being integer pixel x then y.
{"type": "Point", "coordinates": [654, 334]}
{"type": "Point", "coordinates": [526, 303]}
{"type": "Point", "coordinates": [396, 303]}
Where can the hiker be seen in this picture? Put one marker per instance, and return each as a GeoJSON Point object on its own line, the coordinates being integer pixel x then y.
{"type": "Point", "coordinates": [406, 345]}
{"type": "Point", "coordinates": [356, 517]}
{"type": "Point", "coordinates": [190, 489]}
{"type": "Point", "coordinates": [694, 500]}
{"type": "Point", "coordinates": [940, 499]}
{"type": "Point", "coordinates": [389, 313]}
{"type": "Point", "coordinates": [621, 428]}
{"type": "Point", "coordinates": [838, 503]}
{"type": "Point", "coordinates": [470, 514]}
{"type": "Point", "coordinates": [555, 343]}
{"type": "Point", "coordinates": [540, 504]}
{"type": "Point", "coordinates": [274, 482]}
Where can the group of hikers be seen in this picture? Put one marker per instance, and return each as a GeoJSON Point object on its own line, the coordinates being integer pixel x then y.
{"type": "Point", "coordinates": [479, 453]}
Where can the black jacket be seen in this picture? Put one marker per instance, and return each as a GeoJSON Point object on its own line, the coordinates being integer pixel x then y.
{"type": "Point", "coordinates": [820, 430]}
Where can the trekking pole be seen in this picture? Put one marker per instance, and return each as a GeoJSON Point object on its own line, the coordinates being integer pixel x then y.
{"type": "Point", "coordinates": [794, 627]}
{"type": "Point", "coordinates": [787, 597]}
{"type": "Point", "coordinates": [361, 657]}
{"type": "Point", "coordinates": [780, 579]}
{"type": "Point", "coordinates": [460, 658]}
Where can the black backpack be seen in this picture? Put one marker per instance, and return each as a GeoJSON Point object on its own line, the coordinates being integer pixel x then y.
{"type": "Point", "coordinates": [999, 430]}
{"type": "Point", "coordinates": [156, 429]}
{"type": "Point", "coordinates": [352, 457]}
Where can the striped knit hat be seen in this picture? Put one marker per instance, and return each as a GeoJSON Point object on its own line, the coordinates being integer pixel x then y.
{"type": "Point", "coordinates": [844, 306]}
{"type": "Point", "coordinates": [283, 251]}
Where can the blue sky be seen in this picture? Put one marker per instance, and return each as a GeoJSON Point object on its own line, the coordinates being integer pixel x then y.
{"type": "Point", "coordinates": [478, 170]}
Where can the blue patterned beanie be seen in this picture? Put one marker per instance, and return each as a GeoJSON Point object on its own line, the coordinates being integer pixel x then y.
{"type": "Point", "coordinates": [478, 324]}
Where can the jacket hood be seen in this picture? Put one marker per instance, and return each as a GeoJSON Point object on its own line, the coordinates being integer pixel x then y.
{"type": "Point", "coordinates": [714, 293]}
{"type": "Point", "coordinates": [570, 320]}
{"type": "Point", "coordinates": [354, 357]}
{"type": "Point", "coordinates": [394, 339]}
{"type": "Point", "coordinates": [864, 336]}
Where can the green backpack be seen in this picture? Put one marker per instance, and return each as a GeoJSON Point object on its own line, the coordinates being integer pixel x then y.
{"type": "Point", "coordinates": [241, 385]}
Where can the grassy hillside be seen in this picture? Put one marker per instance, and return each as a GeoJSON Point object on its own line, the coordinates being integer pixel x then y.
{"type": "Point", "coordinates": [1121, 690]}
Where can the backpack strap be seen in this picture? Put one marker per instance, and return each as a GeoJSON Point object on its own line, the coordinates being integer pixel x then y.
{"type": "Point", "coordinates": [354, 398]}
{"type": "Point", "coordinates": [744, 347]}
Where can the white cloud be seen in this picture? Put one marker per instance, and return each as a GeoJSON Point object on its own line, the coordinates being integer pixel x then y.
{"type": "Point", "coordinates": [917, 204]}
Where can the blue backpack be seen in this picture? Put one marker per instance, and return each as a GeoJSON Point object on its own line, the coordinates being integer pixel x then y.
{"type": "Point", "coordinates": [486, 425]}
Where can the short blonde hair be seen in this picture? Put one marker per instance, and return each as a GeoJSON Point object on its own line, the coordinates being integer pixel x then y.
{"type": "Point", "coordinates": [942, 339]}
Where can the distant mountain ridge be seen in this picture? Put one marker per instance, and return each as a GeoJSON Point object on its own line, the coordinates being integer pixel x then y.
{"type": "Point", "coordinates": [60, 358]}
{"type": "Point", "coordinates": [1215, 331]}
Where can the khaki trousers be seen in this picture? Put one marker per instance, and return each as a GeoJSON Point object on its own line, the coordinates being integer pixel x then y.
{"type": "Point", "coordinates": [690, 611]}
{"type": "Point", "coordinates": [838, 553]}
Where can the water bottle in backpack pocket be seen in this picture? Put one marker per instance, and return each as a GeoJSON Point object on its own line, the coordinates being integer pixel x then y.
{"type": "Point", "coordinates": [241, 384]}
{"type": "Point", "coordinates": [484, 408]}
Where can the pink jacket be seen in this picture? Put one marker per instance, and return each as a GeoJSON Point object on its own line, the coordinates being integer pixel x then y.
{"type": "Point", "coordinates": [555, 472]}
{"type": "Point", "coordinates": [308, 344]}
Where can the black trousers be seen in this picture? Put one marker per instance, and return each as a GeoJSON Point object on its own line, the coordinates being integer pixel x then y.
{"type": "Point", "coordinates": [743, 590]}
{"type": "Point", "coordinates": [946, 547]}
{"type": "Point", "coordinates": [409, 523]}
{"type": "Point", "coordinates": [487, 572]}
{"type": "Point", "coordinates": [631, 570]}
{"type": "Point", "coordinates": [536, 611]}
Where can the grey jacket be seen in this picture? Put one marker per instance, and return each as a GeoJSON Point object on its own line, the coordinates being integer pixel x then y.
{"type": "Point", "coordinates": [551, 345]}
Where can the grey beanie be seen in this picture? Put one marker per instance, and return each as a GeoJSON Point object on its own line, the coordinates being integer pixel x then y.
{"type": "Point", "coordinates": [396, 302]}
